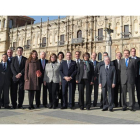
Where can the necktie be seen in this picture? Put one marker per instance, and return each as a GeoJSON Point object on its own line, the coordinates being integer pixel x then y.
{"type": "Point", "coordinates": [68, 64]}
{"type": "Point", "coordinates": [106, 68]}
{"type": "Point", "coordinates": [4, 67]}
{"type": "Point", "coordinates": [126, 62]}
{"type": "Point", "coordinates": [19, 59]}
{"type": "Point", "coordinates": [43, 64]}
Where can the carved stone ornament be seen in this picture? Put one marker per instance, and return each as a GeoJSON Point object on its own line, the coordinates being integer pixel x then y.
{"type": "Point", "coordinates": [125, 19]}
{"type": "Point", "coordinates": [100, 22]}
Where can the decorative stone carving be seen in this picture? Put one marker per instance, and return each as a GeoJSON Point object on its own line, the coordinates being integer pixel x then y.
{"type": "Point", "coordinates": [125, 19]}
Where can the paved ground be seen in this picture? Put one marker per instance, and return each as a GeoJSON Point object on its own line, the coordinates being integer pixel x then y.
{"type": "Point", "coordinates": [58, 116]}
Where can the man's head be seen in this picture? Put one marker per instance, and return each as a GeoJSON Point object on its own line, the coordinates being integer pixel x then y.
{"type": "Point", "coordinates": [60, 55]}
{"type": "Point", "coordinates": [105, 54]}
{"type": "Point", "coordinates": [107, 60]}
{"type": "Point", "coordinates": [93, 56]}
{"type": "Point", "coordinates": [19, 51]}
{"type": "Point", "coordinates": [42, 55]}
{"type": "Point", "coordinates": [133, 52]}
{"type": "Point", "coordinates": [68, 56]}
{"type": "Point", "coordinates": [126, 53]}
{"type": "Point", "coordinates": [4, 57]}
{"type": "Point", "coordinates": [77, 54]}
{"type": "Point", "coordinates": [118, 55]}
{"type": "Point", "coordinates": [9, 53]}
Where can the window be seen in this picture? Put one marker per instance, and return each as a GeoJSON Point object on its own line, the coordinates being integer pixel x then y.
{"type": "Point", "coordinates": [14, 45]}
{"type": "Point", "coordinates": [126, 31]}
{"type": "Point", "coordinates": [28, 43]}
{"type": "Point", "coordinates": [100, 34]}
{"type": "Point", "coordinates": [99, 56]}
{"type": "Point", "coordinates": [43, 41]}
{"type": "Point", "coordinates": [10, 23]}
{"type": "Point", "coordinates": [61, 39]}
{"type": "Point", "coordinates": [79, 34]}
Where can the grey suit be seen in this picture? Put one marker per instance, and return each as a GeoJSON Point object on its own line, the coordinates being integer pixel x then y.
{"type": "Point", "coordinates": [5, 82]}
{"type": "Point", "coordinates": [127, 77]}
{"type": "Point", "coordinates": [107, 78]}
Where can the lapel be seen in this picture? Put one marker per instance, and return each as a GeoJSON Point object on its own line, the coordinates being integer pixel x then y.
{"type": "Point", "coordinates": [17, 60]}
{"type": "Point", "coordinates": [129, 61]}
{"type": "Point", "coordinates": [71, 64]}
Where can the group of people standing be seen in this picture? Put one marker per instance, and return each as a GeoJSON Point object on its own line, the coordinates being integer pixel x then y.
{"type": "Point", "coordinates": [60, 77]}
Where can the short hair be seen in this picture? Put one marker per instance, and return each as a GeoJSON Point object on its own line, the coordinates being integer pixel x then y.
{"type": "Point", "coordinates": [4, 54]}
{"type": "Point", "coordinates": [20, 48]}
{"type": "Point", "coordinates": [60, 53]}
{"type": "Point", "coordinates": [95, 53]}
{"type": "Point", "coordinates": [119, 52]}
{"type": "Point", "coordinates": [86, 54]}
{"type": "Point", "coordinates": [42, 52]}
{"type": "Point", "coordinates": [53, 54]}
{"type": "Point", "coordinates": [132, 49]}
{"type": "Point", "coordinates": [106, 57]}
{"type": "Point", "coordinates": [70, 53]}
{"type": "Point", "coordinates": [78, 52]}
{"type": "Point", "coordinates": [9, 50]}
{"type": "Point", "coordinates": [126, 50]}
{"type": "Point", "coordinates": [105, 53]}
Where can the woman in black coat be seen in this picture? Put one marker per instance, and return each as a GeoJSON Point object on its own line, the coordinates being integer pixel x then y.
{"type": "Point", "coordinates": [85, 77]}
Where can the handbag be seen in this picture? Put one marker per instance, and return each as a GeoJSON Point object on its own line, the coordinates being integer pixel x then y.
{"type": "Point", "coordinates": [38, 73]}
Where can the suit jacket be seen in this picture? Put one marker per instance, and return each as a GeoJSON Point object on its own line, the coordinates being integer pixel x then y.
{"type": "Point", "coordinates": [52, 73]}
{"type": "Point", "coordinates": [117, 71]}
{"type": "Point", "coordinates": [127, 73]}
{"type": "Point", "coordinates": [109, 77]}
{"type": "Point", "coordinates": [96, 72]}
{"type": "Point", "coordinates": [80, 72]}
{"type": "Point", "coordinates": [42, 70]}
{"type": "Point", "coordinates": [5, 76]}
{"type": "Point", "coordinates": [16, 68]}
{"type": "Point", "coordinates": [71, 71]}
{"type": "Point", "coordinates": [137, 67]}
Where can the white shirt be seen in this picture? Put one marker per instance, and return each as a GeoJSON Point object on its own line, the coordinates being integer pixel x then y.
{"type": "Point", "coordinates": [118, 61]}
{"type": "Point", "coordinates": [19, 59]}
{"type": "Point", "coordinates": [77, 60]}
{"type": "Point", "coordinates": [106, 66]}
{"type": "Point", "coordinates": [135, 57]}
{"type": "Point", "coordinates": [68, 63]}
{"type": "Point", "coordinates": [5, 64]}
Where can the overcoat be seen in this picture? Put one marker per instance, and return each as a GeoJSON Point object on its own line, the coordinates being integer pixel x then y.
{"type": "Point", "coordinates": [30, 75]}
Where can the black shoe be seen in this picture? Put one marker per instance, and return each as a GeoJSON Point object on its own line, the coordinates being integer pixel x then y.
{"type": "Point", "coordinates": [101, 106]}
{"type": "Point", "coordinates": [45, 106]}
{"type": "Point", "coordinates": [0, 107]}
{"type": "Point", "coordinates": [14, 107]}
{"type": "Point", "coordinates": [116, 105]}
{"type": "Point", "coordinates": [81, 108]}
{"type": "Point", "coordinates": [20, 107]}
{"type": "Point", "coordinates": [124, 109]}
{"type": "Point", "coordinates": [104, 109]}
{"type": "Point", "coordinates": [94, 105]}
{"type": "Point", "coordinates": [7, 107]}
{"type": "Point", "coordinates": [29, 108]}
{"type": "Point", "coordinates": [111, 110]}
{"type": "Point", "coordinates": [50, 107]}
{"type": "Point", "coordinates": [32, 107]}
{"type": "Point", "coordinates": [88, 108]}
{"type": "Point", "coordinates": [54, 107]}
{"type": "Point", "coordinates": [63, 107]}
{"type": "Point", "coordinates": [132, 109]}
{"type": "Point", "coordinates": [37, 106]}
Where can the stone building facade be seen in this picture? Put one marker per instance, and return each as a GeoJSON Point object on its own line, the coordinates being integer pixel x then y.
{"type": "Point", "coordinates": [72, 33]}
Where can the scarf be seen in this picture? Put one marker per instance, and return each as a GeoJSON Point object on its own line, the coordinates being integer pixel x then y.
{"type": "Point", "coordinates": [87, 65]}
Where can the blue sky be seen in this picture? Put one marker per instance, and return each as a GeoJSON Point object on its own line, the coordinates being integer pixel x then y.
{"type": "Point", "coordinates": [44, 18]}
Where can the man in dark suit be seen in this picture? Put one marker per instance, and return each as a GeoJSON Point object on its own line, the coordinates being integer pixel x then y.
{"type": "Point", "coordinates": [137, 59]}
{"type": "Point", "coordinates": [107, 81]}
{"type": "Point", "coordinates": [9, 54]}
{"type": "Point", "coordinates": [127, 67]}
{"type": "Point", "coordinates": [68, 70]}
{"type": "Point", "coordinates": [18, 68]}
{"type": "Point", "coordinates": [5, 82]}
{"type": "Point", "coordinates": [96, 75]}
{"type": "Point", "coordinates": [78, 61]}
{"type": "Point", "coordinates": [98, 68]}
{"type": "Point", "coordinates": [43, 63]}
{"type": "Point", "coordinates": [118, 82]}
